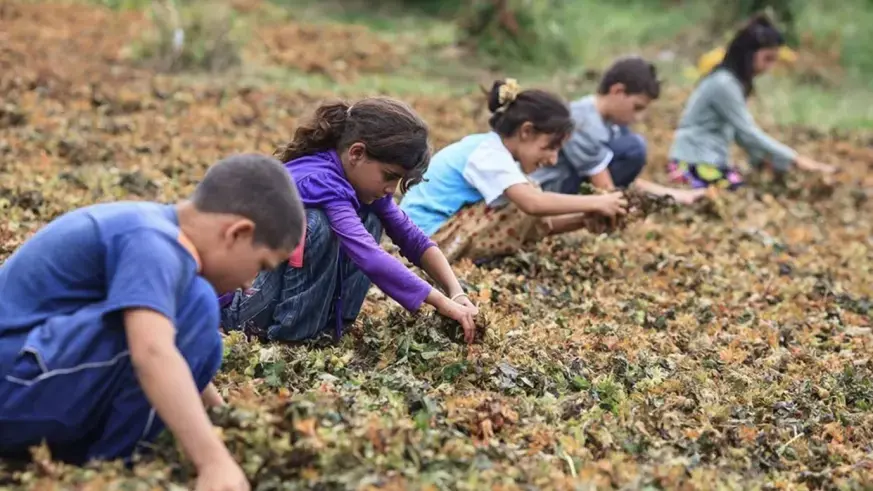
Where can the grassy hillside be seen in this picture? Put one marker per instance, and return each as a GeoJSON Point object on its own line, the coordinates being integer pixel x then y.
{"type": "Point", "coordinates": [828, 89]}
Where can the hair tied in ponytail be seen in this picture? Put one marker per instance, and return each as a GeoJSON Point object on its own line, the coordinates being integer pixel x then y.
{"type": "Point", "coordinates": [507, 93]}
{"type": "Point", "coordinates": [762, 19]}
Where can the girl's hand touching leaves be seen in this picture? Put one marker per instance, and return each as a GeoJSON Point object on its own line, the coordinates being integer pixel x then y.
{"type": "Point", "coordinates": [464, 300]}
{"type": "Point", "coordinates": [461, 313]}
{"type": "Point", "coordinates": [222, 475]}
{"type": "Point", "coordinates": [465, 316]}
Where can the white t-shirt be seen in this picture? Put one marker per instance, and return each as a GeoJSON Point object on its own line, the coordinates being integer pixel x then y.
{"type": "Point", "coordinates": [492, 170]}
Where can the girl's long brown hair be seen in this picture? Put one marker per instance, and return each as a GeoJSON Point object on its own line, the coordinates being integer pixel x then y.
{"type": "Point", "coordinates": [390, 130]}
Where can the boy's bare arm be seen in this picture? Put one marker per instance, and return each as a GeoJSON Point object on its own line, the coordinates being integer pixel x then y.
{"type": "Point", "coordinates": [651, 187]}
{"type": "Point", "coordinates": [169, 386]}
{"type": "Point", "coordinates": [682, 196]}
{"type": "Point", "coordinates": [603, 180]}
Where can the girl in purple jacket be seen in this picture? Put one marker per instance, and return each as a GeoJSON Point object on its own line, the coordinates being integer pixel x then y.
{"type": "Point", "coordinates": [347, 162]}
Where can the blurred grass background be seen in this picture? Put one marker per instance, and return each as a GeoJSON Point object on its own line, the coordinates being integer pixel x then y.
{"type": "Point", "coordinates": [456, 45]}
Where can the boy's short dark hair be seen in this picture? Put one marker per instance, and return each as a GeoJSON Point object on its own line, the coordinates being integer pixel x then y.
{"type": "Point", "coordinates": [636, 74]}
{"type": "Point", "coordinates": [259, 188]}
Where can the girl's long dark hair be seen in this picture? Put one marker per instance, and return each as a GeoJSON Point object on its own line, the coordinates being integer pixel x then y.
{"type": "Point", "coordinates": [758, 33]}
{"type": "Point", "coordinates": [390, 130]}
{"type": "Point", "coordinates": [547, 112]}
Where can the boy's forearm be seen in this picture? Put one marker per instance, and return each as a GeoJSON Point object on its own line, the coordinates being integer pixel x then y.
{"type": "Point", "coordinates": [651, 187]}
{"type": "Point", "coordinates": [167, 383]}
{"type": "Point", "coordinates": [435, 264]}
{"type": "Point", "coordinates": [603, 180]}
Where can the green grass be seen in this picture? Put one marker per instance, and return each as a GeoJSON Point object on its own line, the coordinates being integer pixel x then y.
{"type": "Point", "coordinates": [788, 102]}
{"type": "Point", "coordinates": [605, 30]}
{"type": "Point", "coordinates": [385, 17]}
{"type": "Point", "coordinates": [398, 84]}
{"type": "Point", "coordinates": [583, 35]}
{"type": "Point", "coordinates": [590, 30]}
{"type": "Point", "coordinates": [598, 31]}
{"type": "Point", "coordinates": [848, 25]}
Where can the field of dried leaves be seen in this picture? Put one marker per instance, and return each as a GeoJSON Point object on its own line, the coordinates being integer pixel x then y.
{"type": "Point", "coordinates": [722, 346]}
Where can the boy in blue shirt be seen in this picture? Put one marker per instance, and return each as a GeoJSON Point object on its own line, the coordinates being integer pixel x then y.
{"type": "Point", "coordinates": [109, 317]}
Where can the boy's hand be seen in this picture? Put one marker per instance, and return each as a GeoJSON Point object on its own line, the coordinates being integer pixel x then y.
{"type": "Point", "coordinates": [687, 196]}
{"type": "Point", "coordinates": [612, 204]}
{"type": "Point", "coordinates": [222, 476]}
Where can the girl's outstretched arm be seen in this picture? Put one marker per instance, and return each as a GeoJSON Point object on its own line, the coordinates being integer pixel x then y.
{"type": "Point", "coordinates": [419, 249]}
{"type": "Point", "coordinates": [728, 100]}
{"type": "Point", "coordinates": [383, 269]}
{"type": "Point", "coordinates": [389, 274]}
{"type": "Point", "coordinates": [435, 264]}
{"type": "Point", "coordinates": [532, 201]}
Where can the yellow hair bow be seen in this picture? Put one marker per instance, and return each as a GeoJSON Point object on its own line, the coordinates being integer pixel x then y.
{"type": "Point", "coordinates": [507, 93]}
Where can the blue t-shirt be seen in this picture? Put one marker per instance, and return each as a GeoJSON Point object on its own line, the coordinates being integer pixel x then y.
{"type": "Point", "coordinates": [101, 259]}
{"type": "Point", "coordinates": [476, 168]}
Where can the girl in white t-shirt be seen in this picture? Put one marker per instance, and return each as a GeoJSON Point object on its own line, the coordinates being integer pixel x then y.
{"type": "Point", "coordinates": [476, 200]}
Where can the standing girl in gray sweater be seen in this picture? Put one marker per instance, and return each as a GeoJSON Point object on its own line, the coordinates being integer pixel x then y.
{"type": "Point", "coordinates": [716, 114]}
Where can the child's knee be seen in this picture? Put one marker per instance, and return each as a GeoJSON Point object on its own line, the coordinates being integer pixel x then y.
{"type": "Point", "coordinates": [317, 227]}
{"type": "Point", "coordinates": [630, 147]}
{"type": "Point", "coordinates": [636, 148]}
{"type": "Point", "coordinates": [641, 147]}
{"type": "Point", "coordinates": [321, 244]}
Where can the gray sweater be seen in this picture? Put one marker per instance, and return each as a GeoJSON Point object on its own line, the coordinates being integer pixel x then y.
{"type": "Point", "coordinates": [715, 115]}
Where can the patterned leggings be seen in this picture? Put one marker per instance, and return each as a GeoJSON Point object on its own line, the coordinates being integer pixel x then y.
{"type": "Point", "coordinates": [704, 175]}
